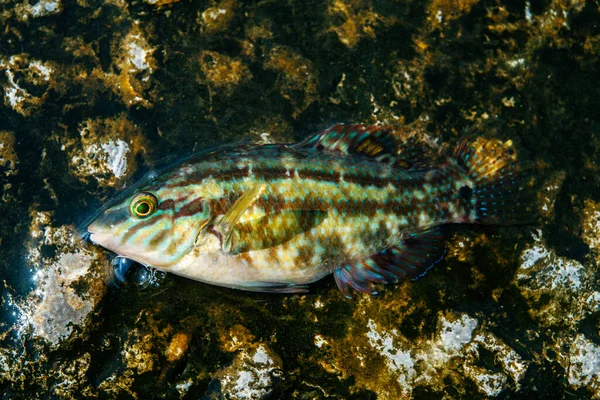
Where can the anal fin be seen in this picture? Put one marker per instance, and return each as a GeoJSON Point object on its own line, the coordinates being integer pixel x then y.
{"type": "Point", "coordinates": [273, 287]}
{"type": "Point", "coordinates": [409, 259]}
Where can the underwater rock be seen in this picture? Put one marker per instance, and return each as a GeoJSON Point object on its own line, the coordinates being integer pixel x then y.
{"type": "Point", "coordinates": [106, 151]}
{"type": "Point", "coordinates": [547, 196]}
{"type": "Point", "coordinates": [553, 285]}
{"type": "Point", "coordinates": [55, 305]}
{"type": "Point", "coordinates": [591, 226]}
{"type": "Point", "coordinates": [393, 367]}
{"type": "Point", "coordinates": [8, 156]}
{"type": "Point", "coordinates": [444, 11]}
{"type": "Point", "coordinates": [584, 364]}
{"type": "Point", "coordinates": [133, 58]}
{"type": "Point", "coordinates": [28, 83]}
{"type": "Point", "coordinates": [24, 11]}
{"type": "Point", "coordinates": [217, 18]}
{"type": "Point", "coordinates": [252, 375]}
{"type": "Point", "coordinates": [59, 307]}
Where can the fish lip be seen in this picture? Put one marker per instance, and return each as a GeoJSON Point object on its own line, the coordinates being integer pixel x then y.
{"type": "Point", "coordinates": [96, 238]}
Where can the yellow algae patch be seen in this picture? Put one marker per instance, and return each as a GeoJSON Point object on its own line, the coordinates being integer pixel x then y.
{"type": "Point", "coordinates": [299, 83]}
{"type": "Point", "coordinates": [222, 72]}
{"type": "Point", "coordinates": [8, 156]}
{"type": "Point", "coordinates": [441, 11]}
{"type": "Point", "coordinates": [217, 18]}
{"type": "Point", "coordinates": [161, 3]}
{"type": "Point", "coordinates": [358, 21]}
{"type": "Point", "coordinates": [235, 337]}
{"type": "Point", "coordinates": [591, 224]}
{"type": "Point", "coordinates": [133, 56]}
{"type": "Point", "coordinates": [177, 346]}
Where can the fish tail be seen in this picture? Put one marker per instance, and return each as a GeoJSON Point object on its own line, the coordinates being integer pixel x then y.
{"type": "Point", "coordinates": [502, 190]}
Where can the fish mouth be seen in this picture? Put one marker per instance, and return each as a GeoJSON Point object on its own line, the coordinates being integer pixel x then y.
{"type": "Point", "coordinates": [96, 238]}
{"type": "Point", "coordinates": [104, 240]}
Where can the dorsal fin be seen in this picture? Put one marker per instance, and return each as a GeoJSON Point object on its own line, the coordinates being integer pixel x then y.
{"type": "Point", "coordinates": [394, 145]}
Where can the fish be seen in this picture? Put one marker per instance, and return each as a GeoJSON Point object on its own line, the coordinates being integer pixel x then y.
{"type": "Point", "coordinates": [367, 204]}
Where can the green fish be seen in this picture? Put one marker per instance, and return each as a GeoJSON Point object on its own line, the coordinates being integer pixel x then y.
{"type": "Point", "coordinates": [364, 203]}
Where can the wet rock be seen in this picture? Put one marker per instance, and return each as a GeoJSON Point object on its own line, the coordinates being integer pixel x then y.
{"type": "Point", "coordinates": [136, 63]}
{"type": "Point", "coordinates": [217, 18]}
{"type": "Point", "coordinates": [8, 156]}
{"type": "Point", "coordinates": [60, 306]}
{"type": "Point", "coordinates": [26, 11]}
{"type": "Point", "coordinates": [553, 284]}
{"type": "Point", "coordinates": [106, 150]}
{"type": "Point", "coordinates": [584, 363]}
{"type": "Point", "coordinates": [252, 375]}
{"type": "Point", "coordinates": [55, 306]}
{"type": "Point", "coordinates": [392, 366]}
{"type": "Point", "coordinates": [27, 83]}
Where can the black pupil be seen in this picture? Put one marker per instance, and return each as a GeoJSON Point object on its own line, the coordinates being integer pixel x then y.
{"type": "Point", "coordinates": [465, 192]}
{"type": "Point", "coordinates": [143, 208]}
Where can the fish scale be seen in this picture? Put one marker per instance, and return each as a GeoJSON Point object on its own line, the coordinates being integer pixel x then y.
{"type": "Point", "coordinates": [364, 203]}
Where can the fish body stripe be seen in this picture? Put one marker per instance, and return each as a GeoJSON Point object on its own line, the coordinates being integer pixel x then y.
{"type": "Point", "coordinates": [350, 189]}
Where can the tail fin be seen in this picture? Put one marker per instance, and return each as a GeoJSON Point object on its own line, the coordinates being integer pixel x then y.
{"type": "Point", "coordinates": [503, 189]}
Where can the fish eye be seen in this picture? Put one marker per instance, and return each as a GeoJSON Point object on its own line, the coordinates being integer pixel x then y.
{"type": "Point", "coordinates": [143, 205]}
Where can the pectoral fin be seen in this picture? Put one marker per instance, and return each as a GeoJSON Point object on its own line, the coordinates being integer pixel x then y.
{"type": "Point", "coordinates": [224, 226]}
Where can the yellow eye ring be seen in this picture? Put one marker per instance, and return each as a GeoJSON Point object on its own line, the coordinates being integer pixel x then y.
{"type": "Point", "coordinates": [143, 205]}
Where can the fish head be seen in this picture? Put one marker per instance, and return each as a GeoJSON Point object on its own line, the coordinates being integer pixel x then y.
{"type": "Point", "coordinates": [151, 228]}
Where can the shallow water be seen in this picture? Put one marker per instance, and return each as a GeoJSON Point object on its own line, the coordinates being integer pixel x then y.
{"type": "Point", "coordinates": [96, 93]}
